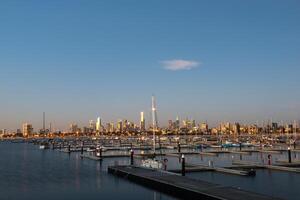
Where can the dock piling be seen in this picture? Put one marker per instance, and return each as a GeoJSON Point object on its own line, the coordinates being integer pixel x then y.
{"type": "Point", "coordinates": [131, 157]}
{"type": "Point", "coordinates": [289, 154]}
{"type": "Point", "coordinates": [100, 153]}
{"type": "Point", "coordinates": [178, 146]}
{"type": "Point", "coordinates": [182, 165]}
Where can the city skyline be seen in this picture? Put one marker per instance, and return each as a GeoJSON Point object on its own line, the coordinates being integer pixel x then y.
{"type": "Point", "coordinates": [210, 62]}
{"type": "Point", "coordinates": [144, 123]}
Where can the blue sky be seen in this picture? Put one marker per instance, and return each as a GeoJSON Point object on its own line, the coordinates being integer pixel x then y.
{"type": "Point", "coordinates": [77, 60]}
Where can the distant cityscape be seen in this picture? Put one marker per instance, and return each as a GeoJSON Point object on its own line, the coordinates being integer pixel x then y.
{"type": "Point", "coordinates": [125, 127]}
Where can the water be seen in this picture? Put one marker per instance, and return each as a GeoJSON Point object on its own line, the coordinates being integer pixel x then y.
{"type": "Point", "coordinates": [273, 183]}
{"type": "Point", "coordinates": [29, 173]}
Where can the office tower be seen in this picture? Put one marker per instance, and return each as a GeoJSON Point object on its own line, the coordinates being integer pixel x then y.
{"type": "Point", "coordinates": [177, 123]}
{"type": "Point", "coordinates": [120, 126]}
{"type": "Point", "coordinates": [92, 126]}
{"type": "Point", "coordinates": [73, 128]}
{"type": "Point", "coordinates": [98, 125]}
{"type": "Point", "coordinates": [27, 129]}
{"type": "Point", "coordinates": [236, 129]}
{"type": "Point", "coordinates": [204, 127]}
{"type": "Point", "coordinates": [110, 127]}
{"type": "Point", "coordinates": [170, 125]}
{"type": "Point", "coordinates": [142, 122]}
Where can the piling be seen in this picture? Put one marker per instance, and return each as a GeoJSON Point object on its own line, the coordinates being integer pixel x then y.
{"type": "Point", "coordinates": [290, 155]}
{"type": "Point", "coordinates": [178, 147]}
{"type": "Point", "coordinates": [182, 165]}
{"type": "Point", "coordinates": [269, 159]}
{"type": "Point", "coordinates": [240, 146]}
{"type": "Point", "coordinates": [69, 148]}
{"type": "Point", "coordinates": [81, 150]}
{"type": "Point", "coordinates": [101, 153]}
{"type": "Point", "coordinates": [131, 157]}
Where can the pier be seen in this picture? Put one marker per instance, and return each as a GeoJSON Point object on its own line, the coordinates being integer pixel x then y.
{"type": "Point", "coordinates": [181, 186]}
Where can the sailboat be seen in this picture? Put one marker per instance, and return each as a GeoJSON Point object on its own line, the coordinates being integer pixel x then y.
{"type": "Point", "coordinates": [153, 163]}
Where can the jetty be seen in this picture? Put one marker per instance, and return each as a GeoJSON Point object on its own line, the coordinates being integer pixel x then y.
{"type": "Point", "coordinates": [181, 186]}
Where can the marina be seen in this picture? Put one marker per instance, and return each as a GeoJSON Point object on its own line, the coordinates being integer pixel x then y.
{"type": "Point", "coordinates": [232, 162]}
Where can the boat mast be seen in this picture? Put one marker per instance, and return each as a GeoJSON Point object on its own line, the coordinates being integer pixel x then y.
{"type": "Point", "coordinates": [154, 121]}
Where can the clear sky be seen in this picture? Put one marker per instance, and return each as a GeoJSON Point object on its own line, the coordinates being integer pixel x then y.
{"type": "Point", "coordinates": [209, 60]}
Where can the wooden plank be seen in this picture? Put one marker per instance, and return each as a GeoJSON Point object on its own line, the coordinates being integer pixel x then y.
{"type": "Point", "coordinates": [183, 187]}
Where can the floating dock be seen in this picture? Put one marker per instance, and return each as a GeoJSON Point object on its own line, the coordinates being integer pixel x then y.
{"type": "Point", "coordinates": [181, 186]}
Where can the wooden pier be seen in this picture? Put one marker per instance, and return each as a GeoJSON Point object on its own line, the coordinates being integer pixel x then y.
{"type": "Point", "coordinates": [273, 167]}
{"type": "Point", "coordinates": [181, 186]}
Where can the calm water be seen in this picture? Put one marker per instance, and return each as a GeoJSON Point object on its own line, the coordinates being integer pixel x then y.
{"type": "Point", "coordinates": [273, 183]}
{"type": "Point", "coordinates": [29, 173]}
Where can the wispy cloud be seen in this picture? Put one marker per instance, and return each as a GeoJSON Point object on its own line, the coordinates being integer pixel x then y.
{"type": "Point", "coordinates": [178, 64]}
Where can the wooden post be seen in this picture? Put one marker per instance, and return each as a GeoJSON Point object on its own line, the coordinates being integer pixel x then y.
{"type": "Point", "coordinates": [178, 146]}
{"type": "Point", "coordinates": [182, 165]}
{"type": "Point", "coordinates": [289, 154]}
{"type": "Point", "coordinates": [131, 157]}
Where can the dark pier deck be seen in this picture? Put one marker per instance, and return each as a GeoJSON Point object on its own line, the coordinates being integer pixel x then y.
{"type": "Point", "coordinates": [181, 186]}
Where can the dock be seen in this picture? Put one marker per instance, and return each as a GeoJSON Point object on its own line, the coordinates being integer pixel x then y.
{"type": "Point", "coordinates": [273, 167]}
{"type": "Point", "coordinates": [181, 186]}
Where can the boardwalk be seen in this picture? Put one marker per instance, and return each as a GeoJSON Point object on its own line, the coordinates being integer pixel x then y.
{"type": "Point", "coordinates": [183, 187]}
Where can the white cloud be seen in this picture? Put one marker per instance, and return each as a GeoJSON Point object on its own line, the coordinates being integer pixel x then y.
{"type": "Point", "coordinates": [177, 64]}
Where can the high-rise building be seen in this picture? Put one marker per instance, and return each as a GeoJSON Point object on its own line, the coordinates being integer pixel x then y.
{"type": "Point", "coordinates": [73, 128]}
{"type": "Point", "coordinates": [120, 126]}
{"type": "Point", "coordinates": [236, 129]}
{"type": "Point", "coordinates": [177, 123]}
{"type": "Point", "coordinates": [27, 129]}
{"type": "Point", "coordinates": [92, 126]}
{"type": "Point", "coordinates": [142, 122]}
{"type": "Point", "coordinates": [170, 125]}
{"type": "Point", "coordinates": [110, 127]}
{"type": "Point", "coordinates": [98, 125]}
{"type": "Point", "coordinates": [204, 127]}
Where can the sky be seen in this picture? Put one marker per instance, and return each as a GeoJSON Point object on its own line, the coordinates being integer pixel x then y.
{"type": "Point", "coordinates": [208, 60]}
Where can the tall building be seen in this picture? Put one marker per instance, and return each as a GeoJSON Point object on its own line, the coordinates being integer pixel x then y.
{"type": "Point", "coordinates": [236, 129]}
{"type": "Point", "coordinates": [73, 128]}
{"type": "Point", "coordinates": [170, 125]}
{"type": "Point", "coordinates": [27, 129]}
{"type": "Point", "coordinates": [92, 126]}
{"type": "Point", "coordinates": [177, 123]}
{"type": "Point", "coordinates": [142, 122]}
{"type": "Point", "coordinates": [110, 127]}
{"type": "Point", "coordinates": [98, 125]}
{"type": "Point", "coordinates": [204, 127]}
{"type": "Point", "coordinates": [120, 126]}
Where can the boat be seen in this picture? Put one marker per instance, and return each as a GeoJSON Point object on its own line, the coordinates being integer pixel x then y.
{"type": "Point", "coordinates": [44, 146]}
{"type": "Point", "coordinates": [152, 163]}
{"type": "Point", "coordinates": [247, 144]}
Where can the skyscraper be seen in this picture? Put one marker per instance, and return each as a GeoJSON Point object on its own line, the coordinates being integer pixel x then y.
{"type": "Point", "coordinates": [98, 125]}
{"type": "Point", "coordinates": [142, 122]}
{"type": "Point", "coordinates": [120, 126]}
{"type": "Point", "coordinates": [92, 126]}
{"type": "Point", "coordinates": [177, 123]}
{"type": "Point", "coordinates": [27, 130]}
